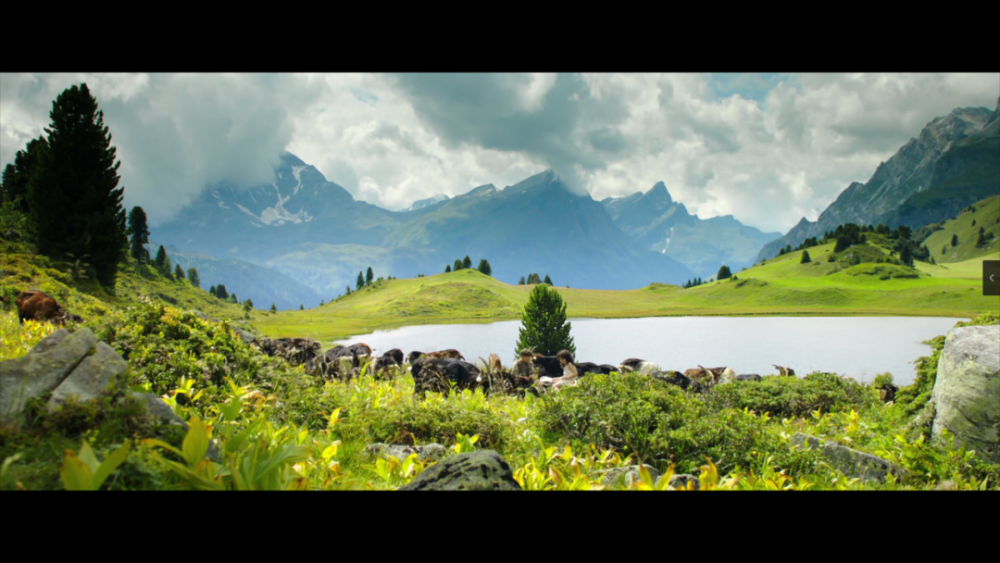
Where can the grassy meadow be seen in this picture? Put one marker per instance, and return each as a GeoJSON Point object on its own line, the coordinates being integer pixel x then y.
{"type": "Point", "coordinates": [781, 286]}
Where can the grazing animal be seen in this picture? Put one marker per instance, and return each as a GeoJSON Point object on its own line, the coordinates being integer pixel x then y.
{"type": "Point", "coordinates": [888, 392]}
{"type": "Point", "coordinates": [318, 367]}
{"type": "Point", "coordinates": [496, 366]}
{"type": "Point", "coordinates": [673, 378]}
{"type": "Point", "coordinates": [37, 306]}
{"type": "Point", "coordinates": [413, 356]}
{"type": "Point", "coordinates": [609, 369]}
{"type": "Point", "coordinates": [727, 375]}
{"type": "Point", "coordinates": [696, 375]}
{"type": "Point", "coordinates": [548, 366]}
{"type": "Point", "coordinates": [584, 368]}
{"type": "Point", "coordinates": [748, 377]}
{"type": "Point", "coordinates": [789, 372]}
{"type": "Point", "coordinates": [437, 374]}
{"type": "Point", "coordinates": [357, 352]}
{"type": "Point", "coordinates": [450, 353]}
{"type": "Point", "coordinates": [396, 354]}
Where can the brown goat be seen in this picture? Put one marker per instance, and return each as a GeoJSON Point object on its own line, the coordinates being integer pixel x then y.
{"type": "Point", "coordinates": [449, 353]}
{"type": "Point", "coordinates": [495, 365]}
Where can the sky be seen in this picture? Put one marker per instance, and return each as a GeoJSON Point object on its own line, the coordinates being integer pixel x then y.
{"type": "Point", "coordinates": [767, 148]}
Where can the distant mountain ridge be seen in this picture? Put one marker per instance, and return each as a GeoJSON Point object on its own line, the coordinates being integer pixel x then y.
{"type": "Point", "coordinates": [315, 232]}
{"type": "Point", "coordinates": [659, 223]}
{"type": "Point", "coordinates": [953, 162]}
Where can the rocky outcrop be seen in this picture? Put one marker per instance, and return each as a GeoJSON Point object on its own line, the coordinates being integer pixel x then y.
{"type": "Point", "coordinates": [852, 463]}
{"type": "Point", "coordinates": [296, 351]}
{"type": "Point", "coordinates": [401, 452]}
{"type": "Point", "coordinates": [967, 390]}
{"type": "Point", "coordinates": [43, 369]}
{"type": "Point", "coordinates": [90, 378]}
{"type": "Point", "coordinates": [483, 470]}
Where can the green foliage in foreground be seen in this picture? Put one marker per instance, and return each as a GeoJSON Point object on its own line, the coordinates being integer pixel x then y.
{"type": "Point", "coordinates": [277, 428]}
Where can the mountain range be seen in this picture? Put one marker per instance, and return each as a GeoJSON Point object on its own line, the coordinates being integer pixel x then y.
{"type": "Point", "coordinates": [315, 232]}
{"type": "Point", "coordinates": [954, 162]}
{"type": "Point", "coordinates": [656, 221]}
{"type": "Point", "coordinates": [308, 234]}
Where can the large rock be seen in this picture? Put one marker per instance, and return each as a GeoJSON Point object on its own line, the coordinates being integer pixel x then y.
{"type": "Point", "coordinates": [401, 452]}
{"type": "Point", "coordinates": [483, 470]}
{"type": "Point", "coordinates": [159, 410]}
{"type": "Point", "coordinates": [627, 475]}
{"type": "Point", "coordinates": [41, 370]}
{"type": "Point", "coordinates": [852, 463]}
{"type": "Point", "coordinates": [90, 378]}
{"type": "Point", "coordinates": [967, 391]}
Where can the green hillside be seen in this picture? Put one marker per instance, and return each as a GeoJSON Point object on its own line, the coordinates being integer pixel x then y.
{"type": "Point", "coordinates": [780, 286]}
{"type": "Point", "coordinates": [986, 216]}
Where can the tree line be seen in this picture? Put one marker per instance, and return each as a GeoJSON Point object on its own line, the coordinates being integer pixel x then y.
{"type": "Point", "coordinates": [533, 279]}
{"type": "Point", "coordinates": [466, 263]}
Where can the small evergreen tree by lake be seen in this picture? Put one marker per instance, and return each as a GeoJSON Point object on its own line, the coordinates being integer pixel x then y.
{"type": "Point", "coordinates": [543, 324]}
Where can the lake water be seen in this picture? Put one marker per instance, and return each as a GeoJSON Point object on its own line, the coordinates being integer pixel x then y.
{"type": "Point", "coordinates": [859, 347]}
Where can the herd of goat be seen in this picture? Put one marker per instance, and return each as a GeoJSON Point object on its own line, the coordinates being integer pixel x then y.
{"type": "Point", "coordinates": [446, 369]}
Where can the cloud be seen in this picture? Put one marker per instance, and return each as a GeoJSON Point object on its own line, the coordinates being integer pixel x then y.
{"type": "Point", "coordinates": [768, 149]}
{"type": "Point", "coordinates": [174, 134]}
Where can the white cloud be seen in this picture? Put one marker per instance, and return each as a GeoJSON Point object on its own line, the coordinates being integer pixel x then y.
{"type": "Point", "coordinates": [391, 140]}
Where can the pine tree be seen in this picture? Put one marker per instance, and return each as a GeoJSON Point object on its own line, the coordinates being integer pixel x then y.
{"type": "Point", "coordinates": [302, 307]}
{"type": "Point", "coordinates": [15, 176]}
{"type": "Point", "coordinates": [484, 267]}
{"type": "Point", "coordinates": [533, 279]}
{"type": "Point", "coordinates": [981, 240]}
{"type": "Point", "coordinates": [724, 272]}
{"type": "Point", "coordinates": [211, 291]}
{"type": "Point", "coordinates": [161, 259]}
{"type": "Point", "coordinates": [548, 280]}
{"type": "Point", "coordinates": [466, 262]}
{"type": "Point", "coordinates": [274, 308]}
{"type": "Point", "coordinates": [520, 281]}
{"type": "Point", "coordinates": [369, 276]}
{"type": "Point", "coordinates": [179, 272]}
{"type": "Point", "coordinates": [138, 232]}
{"type": "Point", "coordinates": [193, 277]}
{"type": "Point", "coordinates": [74, 200]}
{"type": "Point", "coordinates": [361, 280]}
{"type": "Point", "coordinates": [221, 293]}
{"type": "Point", "coordinates": [805, 258]}
{"type": "Point", "coordinates": [543, 324]}
{"type": "Point", "coordinates": [233, 298]}
{"type": "Point", "coordinates": [954, 240]}
{"type": "Point", "coordinates": [447, 269]}
{"type": "Point", "coordinates": [457, 266]}
{"type": "Point", "coordinates": [348, 291]}
{"type": "Point", "coordinates": [906, 256]}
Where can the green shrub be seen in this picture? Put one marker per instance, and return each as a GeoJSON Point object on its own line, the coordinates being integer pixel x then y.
{"type": "Point", "coordinates": [411, 422]}
{"type": "Point", "coordinates": [790, 397]}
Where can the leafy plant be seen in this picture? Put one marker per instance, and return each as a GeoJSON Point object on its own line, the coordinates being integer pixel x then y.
{"type": "Point", "coordinates": [82, 472]}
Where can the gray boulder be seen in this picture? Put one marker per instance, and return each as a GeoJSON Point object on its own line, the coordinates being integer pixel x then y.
{"type": "Point", "coordinates": [483, 470]}
{"type": "Point", "coordinates": [852, 463]}
{"type": "Point", "coordinates": [41, 370]}
{"type": "Point", "coordinates": [158, 410]}
{"type": "Point", "coordinates": [90, 378]}
{"type": "Point", "coordinates": [401, 452]}
{"type": "Point", "coordinates": [627, 475]}
{"type": "Point", "coordinates": [967, 391]}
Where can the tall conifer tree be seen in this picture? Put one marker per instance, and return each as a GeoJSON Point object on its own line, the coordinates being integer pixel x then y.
{"type": "Point", "coordinates": [73, 196]}
{"type": "Point", "coordinates": [543, 323]}
{"type": "Point", "coordinates": [139, 232]}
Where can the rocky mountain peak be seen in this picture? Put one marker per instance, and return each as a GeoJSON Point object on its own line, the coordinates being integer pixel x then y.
{"type": "Point", "coordinates": [660, 193]}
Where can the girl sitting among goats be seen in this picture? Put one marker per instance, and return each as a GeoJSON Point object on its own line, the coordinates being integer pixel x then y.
{"type": "Point", "coordinates": [569, 376]}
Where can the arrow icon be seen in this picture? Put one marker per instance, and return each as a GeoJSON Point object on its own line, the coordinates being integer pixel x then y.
{"type": "Point", "coordinates": [991, 278]}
